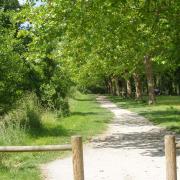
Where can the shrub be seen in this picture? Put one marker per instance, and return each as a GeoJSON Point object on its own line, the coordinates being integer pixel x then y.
{"type": "Point", "coordinates": [11, 132]}
{"type": "Point", "coordinates": [52, 99]}
{"type": "Point", "coordinates": [63, 107]}
{"type": "Point", "coordinates": [31, 111]}
{"type": "Point", "coordinates": [15, 126]}
{"type": "Point", "coordinates": [25, 117]}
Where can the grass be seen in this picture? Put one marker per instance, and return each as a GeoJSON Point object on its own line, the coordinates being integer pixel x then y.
{"type": "Point", "coordinates": [87, 119]}
{"type": "Point", "coordinates": [165, 113]}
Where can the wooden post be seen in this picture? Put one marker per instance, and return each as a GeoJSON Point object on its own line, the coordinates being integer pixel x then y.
{"type": "Point", "coordinates": [170, 153]}
{"type": "Point", "coordinates": [77, 155]}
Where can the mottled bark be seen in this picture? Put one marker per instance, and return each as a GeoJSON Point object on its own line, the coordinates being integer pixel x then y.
{"type": "Point", "coordinates": [123, 92]}
{"type": "Point", "coordinates": [110, 86]}
{"type": "Point", "coordinates": [158, 81]}
{"type": "Point", "coordinates": [129, 90]}
{"type": "Point", "coordinates": [117, 88]}
{"type": "Point", "coordinates": [113, 86]}
{"type": "Point", "coordinates": [150, 79]}
{"type": "Point", "coordinates": [177, 89]}
{"type": "Point", "coordinates": [138, 86]}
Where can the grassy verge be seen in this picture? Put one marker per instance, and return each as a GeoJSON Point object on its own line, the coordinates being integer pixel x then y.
{"type": "Point", "coordinates": [87, 118]}
{"type": "Point", "coordinates": [165, 113]}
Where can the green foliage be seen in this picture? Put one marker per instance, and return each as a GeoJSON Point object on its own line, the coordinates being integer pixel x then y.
{"type": "Point", "coordinates": [9, 4]}
{"type": "Point", "coordinates": [29, 110]}
{"type": "Point", "coordinates": [104, 39]}
{"type": "Point", "coordinates": [25, 117]}
{"type": "Point", "coordinates": [85, 44]}
{"type": "Point", "coordinates": [27, 64]}
{"type": "Point", "coordinates": [11, 66]}
{"type": "Point", "coordinates": [11, 130]}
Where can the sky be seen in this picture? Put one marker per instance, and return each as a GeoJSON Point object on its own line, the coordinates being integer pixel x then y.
{"type": "Point", "coordinates": [38, 3]}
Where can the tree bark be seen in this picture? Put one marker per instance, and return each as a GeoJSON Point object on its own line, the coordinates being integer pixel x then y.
{"type": "Point", "coordinates": [177, 89]}
{"type": "Point", "coordinates": [150, 79]}
{"type": "Point", "coordinates": [138, 86]}
{"type": "Point", "coordinates": [158, 85]}
{"type": "Point", "coordinates": [129, 90]}
{"type": "Point", "coordinates": [106, 80]}
{"type": "Point", "coordinates": [113, 86]}
{"type": "Point", "coordinates": [117, 88]}
{"type": "Point", "coordinates": [109, 85]}
{"type": "Point", "coordinates": [124, 86]}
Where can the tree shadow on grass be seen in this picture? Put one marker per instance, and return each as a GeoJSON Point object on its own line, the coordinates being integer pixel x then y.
{"type": "Point", "coordinates": [168, 100]}
{"type": "Point", "coordinates": [88, 113]}
{"type": "Point", "coordinates": [171, 117]}
{"type": "Point", "coordinates": [51, 132]}
{"type": "Point", "coordinates": [84, 113]}
{"type": "Point", "coordinates": [102, 121]}
{"type": "Point", "coordinates": [87, 99]}
{"type": "Point", "coordinates": [128, 103]}
{"type": "Point", "coordinates": [132, 103]}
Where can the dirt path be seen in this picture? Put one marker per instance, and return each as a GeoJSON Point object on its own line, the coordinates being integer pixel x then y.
{"type": "Point", "coordinates": [131, 149]}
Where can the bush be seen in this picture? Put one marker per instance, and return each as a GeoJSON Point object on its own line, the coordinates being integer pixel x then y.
{"type": "Point", "coordinates": [31, 111]}
{"type": "Point", "coordinates": [63, 107]}
{"type": "Point", "coordinates": [54, 100]}
{"type": "Point", "coordinates": [11, 132]}
{"type": "Point", "coordinates": [25, 117]}
{"type": "Point", "coordinates": [15, 126]}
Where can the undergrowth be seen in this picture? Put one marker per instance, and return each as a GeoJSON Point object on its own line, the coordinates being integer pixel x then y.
{"type": "Point", "coordinates": [30, 124]}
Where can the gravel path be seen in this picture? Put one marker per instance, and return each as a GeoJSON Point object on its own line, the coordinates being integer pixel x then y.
{"type": "Point", "coordinates": [131, 149]}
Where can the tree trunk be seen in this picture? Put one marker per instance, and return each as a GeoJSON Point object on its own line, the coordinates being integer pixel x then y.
{"type": "Point", "coordinates": [173, 88]}
{"type": "Point", "coordinates": [138, 86]}
{"type": "Point", "coordinates": [158, 81]}
{"type": "Point", "coordinates": [124, 86]}
{"type": "Point", "coordinates": [129, 90]}
{"type": "Point", "coordinates": [110, 86]}
{"type": "Point", "coordinates": [177, 89]}
{"type": "Point", "coordinates": [113, 85]}
{"type": "Point", "coordinates": [106, 85]}
{"type": "Point", "coordinates": [150, 80]}
{"type": "Point", "coordinates": [117, 89]}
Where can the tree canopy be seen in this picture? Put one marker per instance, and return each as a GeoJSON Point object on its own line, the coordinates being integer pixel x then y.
{"type": "Point", "coordinates": [127, 48]}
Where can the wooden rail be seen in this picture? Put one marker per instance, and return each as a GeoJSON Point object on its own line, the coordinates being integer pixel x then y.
{"type": "Point", "coordinates": [170, 154]}
{"type": "Point", "coordinates": [76, 147]}
{"type": "Point", "coordinates": [35, 148]}
{"type": "Point", "coordinates": [177, 145]}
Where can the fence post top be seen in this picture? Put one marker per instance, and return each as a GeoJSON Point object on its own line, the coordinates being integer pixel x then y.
{"type": "Point", "coordinates": [76, 137]}
{"type": "Point", "coordinates": [170, 136]}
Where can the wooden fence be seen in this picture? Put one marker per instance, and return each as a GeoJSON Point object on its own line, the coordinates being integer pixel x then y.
{"type": "Point", "coordinates": [170, 154]}
{"type": "Point", "coordinates": [77, 153]}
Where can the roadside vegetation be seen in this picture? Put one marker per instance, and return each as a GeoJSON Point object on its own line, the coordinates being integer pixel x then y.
{"type": "Point", "coordinates": [86, 118]}
{"type": "Point", "coordinates": [166, 112]}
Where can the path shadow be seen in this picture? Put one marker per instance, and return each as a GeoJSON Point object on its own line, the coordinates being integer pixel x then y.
{"type": "Point", "coordinates": [132, 131]}
{"type": "Point", "coordinates": [151, 142]}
